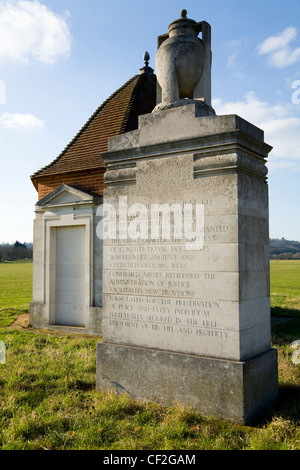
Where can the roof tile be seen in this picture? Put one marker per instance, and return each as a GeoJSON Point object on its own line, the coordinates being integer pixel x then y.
{"type": "Point", "coordinates": [118, 114]}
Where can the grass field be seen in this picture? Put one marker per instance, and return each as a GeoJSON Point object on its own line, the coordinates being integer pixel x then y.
{"type": "Point", "coordinates": [285, 285]}
{"type": "Point", "coordinates": [15, 290]}
{"type": "Point", "coordinates": [48, 398]}
{"type": "Point", "coordinates": [16, 284]}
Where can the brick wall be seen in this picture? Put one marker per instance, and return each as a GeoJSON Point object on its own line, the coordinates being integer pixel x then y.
{"type": "Point", "coordinates": [92, 181]}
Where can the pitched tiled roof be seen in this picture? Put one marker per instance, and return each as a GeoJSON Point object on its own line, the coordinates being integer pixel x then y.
{"type": "Point", "coordinates": [118, 114]}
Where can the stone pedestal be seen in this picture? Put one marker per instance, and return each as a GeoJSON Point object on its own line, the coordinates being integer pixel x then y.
{"type": "Point", "coordinates": [186, 308]}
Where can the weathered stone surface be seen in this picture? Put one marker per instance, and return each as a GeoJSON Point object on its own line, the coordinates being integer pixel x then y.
{"type": "Point", "coordinates": [230, 269]}
{"type": "Point", "coordinates": [231, 390]}
{"type": "Point", "coordinates": [184, 132]}
{"type": "Point", "coordinates": [183, 63]}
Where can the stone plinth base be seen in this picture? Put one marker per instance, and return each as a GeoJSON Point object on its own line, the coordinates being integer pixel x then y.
{"type": "Point", "coordinates": [231, 390]}
{"type": "Point", "coordinates": [39, 318]}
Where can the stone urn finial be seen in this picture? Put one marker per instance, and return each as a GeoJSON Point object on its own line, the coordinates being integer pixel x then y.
{"type": "Point", "coordinates": [183, 63]}
{"type": "Point", "coordinates": [183, 13]}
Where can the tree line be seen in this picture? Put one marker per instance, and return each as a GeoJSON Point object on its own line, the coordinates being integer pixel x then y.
{"type": "Point", "coordinates": [15, 251]}
{"type": "Point", "coordinates": [284, 249]}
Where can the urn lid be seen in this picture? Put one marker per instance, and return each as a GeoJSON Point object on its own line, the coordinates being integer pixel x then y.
{"type": "Point", "coordinates": [183, 22]}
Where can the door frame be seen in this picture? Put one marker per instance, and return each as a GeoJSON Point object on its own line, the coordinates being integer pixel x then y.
{"type": "Point", "coordinates": [83, 284]}
{"type": "Point", "coordinates": [63, 207]}
{"type": "Point", "coordinates": [50, 265]}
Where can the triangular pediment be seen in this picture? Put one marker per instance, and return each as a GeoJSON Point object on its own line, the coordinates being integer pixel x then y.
{"type": "Point", "coordinates": [67, 195]}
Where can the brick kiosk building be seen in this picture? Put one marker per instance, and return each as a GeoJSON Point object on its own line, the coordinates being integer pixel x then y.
{"type": "Point", "coordinates": [67, 259]}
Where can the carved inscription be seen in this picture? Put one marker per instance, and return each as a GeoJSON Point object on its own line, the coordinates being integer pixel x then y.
{"type": "Point", "coordinates": [197, 317]}
{"type": "Point", "coordinates": [161, 294]}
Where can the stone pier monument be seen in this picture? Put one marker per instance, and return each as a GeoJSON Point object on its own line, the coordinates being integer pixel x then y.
{"type": "Point", "coordinates": [186, 313]}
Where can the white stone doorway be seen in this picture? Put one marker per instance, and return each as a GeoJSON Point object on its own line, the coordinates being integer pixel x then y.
{"type": "Point", "coordinates": [67, 266]}
{"type": "Point", "coordinates": [70, 291]}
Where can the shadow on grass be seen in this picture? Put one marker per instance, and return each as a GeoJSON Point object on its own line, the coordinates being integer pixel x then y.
{"type": "Point", "coordinates": [286, 330]}
{"type": "Point", "coordinates": [83, 385]}
{"type": "Point", "coordinates": [285, 325]}
{"type": "Point", "coordinates": [285, 312]}
{"type": "Point", "coordinates": [288, 404]}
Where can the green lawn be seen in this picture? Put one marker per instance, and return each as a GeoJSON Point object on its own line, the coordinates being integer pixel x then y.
{"type": "Point", "coordinates": [15, 283]}
{"type": "Point", "coordinates": [48, 399]}
{"type": "Point", "coordinates": [15, 289]}
{"type": "Point", "coordinates": [285, 285]}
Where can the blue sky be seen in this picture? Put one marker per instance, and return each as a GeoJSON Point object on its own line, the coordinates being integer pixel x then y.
{"type": "Point", "coordinates": [60, 59]}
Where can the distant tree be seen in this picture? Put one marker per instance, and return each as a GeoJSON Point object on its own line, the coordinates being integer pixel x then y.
{"type": "Point", "coordinates": [29, 247]}
{"type": "Point", "coordinates": [19, 250]}
{"type": "Point", "coordinates": [20, 245]}
{"type": "Point", "coordinates": [11, 252]}
{"type": "Point", "coordinates": [285, 248]}
{"type": "Point", "coordinates": [5, 250]}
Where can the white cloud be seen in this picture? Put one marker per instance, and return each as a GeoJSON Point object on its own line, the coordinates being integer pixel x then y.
{"type": "Point", "coordinates": [284, 57]}
{"type": "Point", "coordinates": [26, 122]}
{"type": "Point", "coordinates": [231, 59]}
{"type": "Point", "coordinates": [284, 136]}
{"type": "Point", "coordinates": [277, 47]}
{"type": "Point", "coordinates": [31, 31]}
{"type": "Point", "coordinates": [279, 41]}
{"type": "Point", "coordinates": [281, 128]}
{"type": "Point", "coordinates": [253, 109]}
{"type": "Point", "coordinates": [235, 47]}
